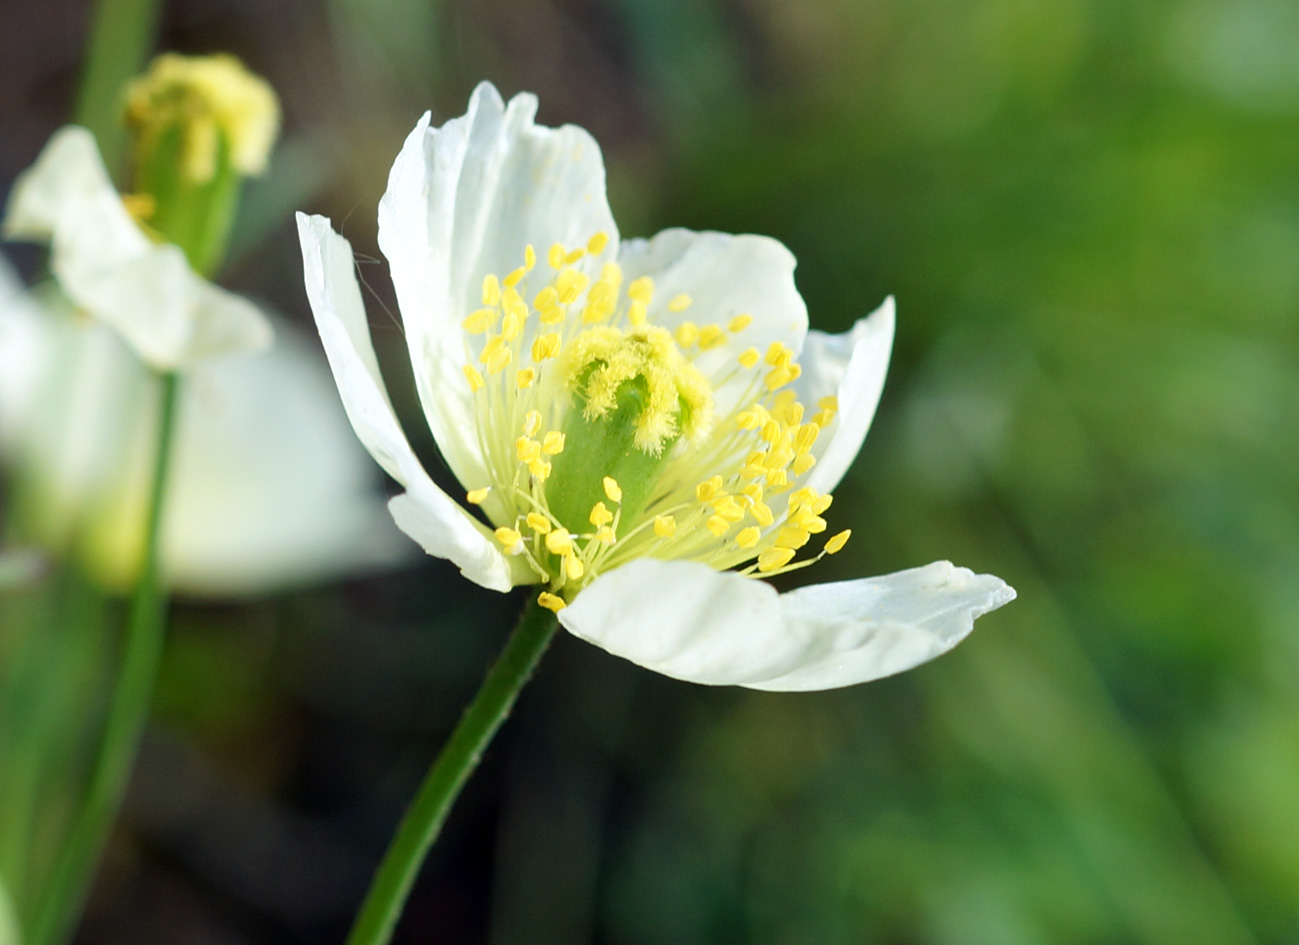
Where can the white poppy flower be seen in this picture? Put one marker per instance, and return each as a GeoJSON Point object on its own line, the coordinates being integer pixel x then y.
{"type": "Point", "coordinates": [268, 485]}
{"type": "Point", "coordinates": [106, 264]}
{"type": "Point", "coordinates": [633, 418]}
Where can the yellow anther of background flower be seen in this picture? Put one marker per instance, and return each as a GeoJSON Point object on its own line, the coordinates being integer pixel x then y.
{"type": "Point", "coordinates": [718, 525]}
{"type": "Point", "coordinates": [605, 535]}
{"type": "Point", "coordinates": [538, 523]}
{"type": "Point", "coordinates": [491, 290]}
{"type": "Point", "coordinates": [596, 244]}
{"type": "Point", "coordinates": [687, 334]}
{"type": "Point", "coordinates": [552, 443]}
{"type": "Point", "coordinates": [680, 303]}
{"type": "Point", "coordinates": [600, 515]}
{"type": "Point", "coordinates": [474, 378]}
{"type": "Point", "coordinates": [749, 357]}
{"type": "Point", "coordinates": [739, 323]}
{"type": "Point", "coordinates": [532, 422]}
{"type": "Point", "coordinates": [509, 538]}
{"type": "Point", "coordinates": [556, 256]}
{"type": "Point", "coordinates": [527, 449]}
{"type": "Point", "coordinates": [774, 558]}
{"type": "Point", "coordinates": [748, 537]}
{"type": "Point", "coordinates": [612, 489]}
{"type": "Point", "coordinates": [710, 336]}
{"type": "Point", "coordinates": [641, 290]}
{"type": "Point", "coordinates": [665, 526]}
{"type": "Point", "coordinates": [529, 257]}
{"type": "Point", "coordinates": [559, 542]}
{"type": "Point", "coordinates": [573, 567]}
{"type": "Point", "coordinates": [708, 489]}
{"type": "Point", "coordinates": [836, 543]}
{"type": "Point", "coordinates": [477, 496]}
{"type": "Point", "coordinates": [545, 346]}
{"type": "Point", "coordinates": [525, 377]}
{"type": "Point", "coordinates": [480, 321]}
{"type": "Point", "coordinates": [790, 536]}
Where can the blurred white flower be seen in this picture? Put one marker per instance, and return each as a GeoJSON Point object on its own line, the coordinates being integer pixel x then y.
{"type": "Point", "coordinates": [268, 487]}
{"type": "Point", "coordinates": [142, 288]}
{"type": "Point", "coordinates": [626, 454]}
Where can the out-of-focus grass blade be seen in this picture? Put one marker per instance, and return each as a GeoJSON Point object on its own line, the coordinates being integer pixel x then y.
{"type": "Point", "coordinates": [19, 567]}
{"type": "Point", "coordinates": [8, 920]}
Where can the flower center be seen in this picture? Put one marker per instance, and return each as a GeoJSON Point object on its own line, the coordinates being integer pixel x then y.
{"type": "Point", "coordinates": [605, 447]}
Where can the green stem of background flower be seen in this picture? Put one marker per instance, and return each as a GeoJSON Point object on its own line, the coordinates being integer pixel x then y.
{"type": "Point", "coordinates": [62, 900]}
{"type": "Point", "coordinates": [423, 821]}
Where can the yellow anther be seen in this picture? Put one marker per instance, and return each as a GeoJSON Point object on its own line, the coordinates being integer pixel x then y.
{"type": "Point", "coordinates": [141, 207]}
{"type": "Point", "coordinates": [605, 536]}
{"type": "Point", "coordinates": [573, 567]}
{"type": "Point", "coordinates": [574, 255]}
{"type": "Point", "coordinates": [771, 431]}
{"type": "Point", "coordinates": [527, 449]}
{"type": "Point", "coordinates": [559, 542]}
{"type": "Point", "coordinates": [809, 521]}
{"type": "Point", "coordinates": [551, 601]}
{"type": "Point", "coordinates": [480, 321]}
{"type": "Point", "coordinates": [717, 525]}
{"type": "Point", "coordinates": [762, 514]}
{"type": "Point", "coordinates": [496, 358]}
{"type": "Point", "coordinates": [509, 538]}
{"type": "Point", "coordinates": [710, 336]}
{"type": "Point", "coordinates": [637, 315]}
{"type": "Point", "coordinates": [665, 526]}
{"type": "Point", "coordinates": [792, 414]}
{"type": "Point", "coordinates": [553, 443]}
{"type": "Point", "coordinates": [790, 536]}
{"type": "Point", "coordinates": [525, 378]}
{"type": "Point", "coordinates": [491, 290]}
{"type": "Point", "coordinates": [748, 537]}
{"type": "Point", "coordinates": [612, 489]}
{"type": "Point", "coordinates": [778, 355]}
{"type": "Point", "coordinates": [821, 503]}
{"type": "Point", "coordinates": [546, 298]}
{"type": "Point", "coordinates": [680, 303]}
{"type": "Point", "coordinates": [777, 478]}
{"type": "Point", "coordinates": [539, 523]}
{"type": "Point", "coordinates": [477, 496]}
{"type": "Point", "coordinates": [753, 491]}
{"type": "Point", "coordinates": [556, 256]}
{"type": "Point", "coordinates": [707, 490]}
{"type": "Point", "coordinates": [532, 422]}
{"type": "Point", "coordinates": [778, 377]}
{"type": "Point", "coordinates": [600, 515]}
{"type": "Point", "coordinates": [802, 463]}
{"type": "Point", "coordinates": [739, 323]}
{"type": "Point", "coordinates": [515, 277]}
{"type": "Point", "coordinates": [511, 325]}
{"type": "Point", "coordinates": [729, 509]}
{"type": "Point", "coordinates": [836, 543]}
{"type": "Point", "coordinates": [539, 469]}
{"type": "Point", "coordinates": [641, 290]}
{"type": "Point", "coordinates": [750, 357]}
{"type": "Point", "coordinates": [774, 558]}
{"type": "Point", "coordinates": [829, 403]}
{"type": "Point", "coordinates": [596, 244]}
{"type": "Point", "coordinates": [546, 346]}
{"type": "Point", "coordinates": [551, 316]}
{"type": "Point", "coordinates": [799, 498]}
{"type": "Point", "coordinates": [823, 418]}
{"type": "Point", "coordinates": [529, 257]}
{"type": "Point", "coordinates": [570, 284]}
{"type": "Point", "coordinates": [687, 334]}
{"type": "Point", "coordinates": [474, 378]}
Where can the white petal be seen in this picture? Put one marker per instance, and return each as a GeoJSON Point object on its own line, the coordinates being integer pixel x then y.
{"type": "Point", "coordinates": [725, 276]}
{"type": "Point", "coordinates": [850, 366]}
{"type": "Point", "coordinates": [463, 201]}
{"type": "Point", "coordinates": [687, 621]}
{"type": "Point", "coordinates": [24, 351]}
{"type": "Point", "coordinates": [426, 513]}
{"type": "Point", "coordinates": [107, 266]}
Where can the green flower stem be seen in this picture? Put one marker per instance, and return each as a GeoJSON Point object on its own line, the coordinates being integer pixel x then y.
{"type": "Point", "coordinates": [62, 901]}
{"type": "Point", "coordinates": [451, 769]}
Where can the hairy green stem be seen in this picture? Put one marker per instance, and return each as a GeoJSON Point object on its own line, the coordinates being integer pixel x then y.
{"type": "Point", "coordinates": [61, 903]}
{"type": "Point", "coordinates": [423, 821]}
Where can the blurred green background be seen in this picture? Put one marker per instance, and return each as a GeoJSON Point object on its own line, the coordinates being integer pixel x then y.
{"type": "Point", "coordinates": [1089, 214]}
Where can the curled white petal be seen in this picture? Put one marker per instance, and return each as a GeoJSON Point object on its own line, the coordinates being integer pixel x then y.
{"type": "Point", "coordinates": [850, 366]}
{"type": "Point", "coordinates": [105, 264]}
{"type": "Point", "coordinates": [689, 622]}
{"type": "Point", "coordinates": [463, 200]}
{"type": "Point", "coordinates": [724, 276]}
{"type": "Point", "coordinates": [426, 513]}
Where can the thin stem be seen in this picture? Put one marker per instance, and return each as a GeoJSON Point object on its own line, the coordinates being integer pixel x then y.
{"type": "Point", "coordinates": [62, 901]}
{"type": "Point", "coordinates": [423, 821]}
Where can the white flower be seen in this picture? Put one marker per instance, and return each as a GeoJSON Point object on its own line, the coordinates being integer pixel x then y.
{"type": "Point", "coordinates": [107, 265]}
{"type": "Point", "coordinates": [268, 486]}
{"type": "Point", "coordinates": [632, 418]}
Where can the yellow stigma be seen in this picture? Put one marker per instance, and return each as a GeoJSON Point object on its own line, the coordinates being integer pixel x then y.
{"type": "Point", "coordinates": [678, 399]}
{"type": "Point", "coordinates": [206, 99]}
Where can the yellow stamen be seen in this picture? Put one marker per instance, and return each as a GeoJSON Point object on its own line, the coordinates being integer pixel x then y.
{"type": "Point", "coordinates": [551, 601]}
{"type": "Point", "coordinates": [559, 542]}
{"type": "Point", "coordinates": [538, 523]}
{"type": "Point", "coordinates": [680, 303]}
{"type": "Point", "coordinates": [718, 525]}
{"type": "Point", "coordinates": [553, 443]}
{"type": "Point", "coordinates": [477, 496]}
{"type": "Point", "coordinates": [750, 357]}
{"type": "Point", "coordinates": [525, 378]}
{"type": "Point", "coordinates": [480, 321]}
{"type": "Point", "coordinates": [665, 526]}
{"type": "Point", "coordinates": [748, 537]}
{"type": "Point", "coordinates": [573, 567]}
{"type": "Point", "coordinates": [509, 538]}
{"type": "Point", "coordinates": [491, 290]}
{"type": "Point", "coordinates": [474, 378]}
{"type": "Point", "coordinates": [774, 558]}
{"type": "Point", "coordinates": [612, 489]}
{"type": "Point", "coordinates": [739, 323]}
{"type": "Point", "coordinates": [596, 244]}
{"type": "Point", "coordinates": [836, 543]}
{"type": "Point", "coordinates": [532, 422]}
{"type": "Point", "coordinates": [600, 515]}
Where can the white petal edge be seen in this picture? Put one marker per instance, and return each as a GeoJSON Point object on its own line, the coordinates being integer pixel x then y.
{"type": "Point", "coordinates": [852, 367]}
{"type": "Point", "coordinates": [687, 621]}
{"type": "Point", "coordinates": [464, 200]}
{"type": "Point", "coordinates": [144, 291]}
{"type": "Point", "coordinates": [425, 513]}
{"type": "Point", "coordinates": [725, 275]}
